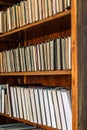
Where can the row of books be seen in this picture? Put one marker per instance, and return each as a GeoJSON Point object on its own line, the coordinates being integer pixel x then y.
{"type": "Point", "coordinates": [52, 55]}
{"type": "Point", "coordinates": [42, 105]}
{"type": "Point", "coordinates": [29, 11]}
{"type": "Point", "coordinates": [18, 126]}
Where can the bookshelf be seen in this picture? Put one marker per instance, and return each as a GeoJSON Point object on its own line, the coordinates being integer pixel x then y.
{"type": "Point", "coordinates": [43, 30]}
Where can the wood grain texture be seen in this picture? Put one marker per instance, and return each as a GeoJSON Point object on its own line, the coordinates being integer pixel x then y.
{"type": "Point", "coordinates": [74, 66]}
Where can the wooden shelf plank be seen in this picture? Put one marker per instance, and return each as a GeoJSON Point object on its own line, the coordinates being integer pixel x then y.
{"type": "Point", "coordinates": [4, 3]}
{"type": "Point", "coordinates": [57, 72]}
{"type": "Point", "coordinates": [28, 122]}
{"type": "Point", "coordinates": [57, 16]}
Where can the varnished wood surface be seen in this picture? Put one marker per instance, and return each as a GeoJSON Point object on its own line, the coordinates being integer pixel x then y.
{"type": "Point", "coordinates": [32, 73]}
{"type": "Point", "coordinates": [74, 66]}
{"type": "Point", "coordinates": [28, 122]}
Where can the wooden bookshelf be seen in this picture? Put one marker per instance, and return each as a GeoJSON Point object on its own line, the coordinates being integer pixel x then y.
{"type": "Point", "coordinates": [72, 22]}
{"type": "Point", "coordinates": [57, 72]}
{"type": "Point", "coordinates": [66, 14]}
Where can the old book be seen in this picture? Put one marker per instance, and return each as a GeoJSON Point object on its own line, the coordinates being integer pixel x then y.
{"type": "Point", "coordinates": [19, 97]}
{"type": "Point", "coordinates": [48, 56]}
{"type": "Point", "coordinates": [28, 58]}
{"type": "Point", "coordinates": [16, 102]}
{"type": "Point", "coordinates": [23, 103]}
{"type": "Point", "coordinates": [56, 108]}
{"type": "Point", "coordinates": [46, 8]}
{"type": "Point", "coordinates": [8, 62]}
{"type": "Point", "coordinates": [70, 52]}
{"type": "Point", "coordinates": [50, 7]}
{"type": "Point", "coordinates": [33, 10]}
{"type": "Point", "coordinates": [40, 9]}
{"type": "Point", "coordinates": [45, 55]}
{"type": "Point", "coordinates": [43, 8]}
{"type": "Point", "coordinates": [13, 102]}
{"type": "Point", "coordinates": [38, 56]}
{"type": "Point", "coordinates": [63, 45]}
{"type": "Point", "coordinates": [61, 108]}
{"type": "Point", "coordinates": [33, 103]}
{"type": "Point", "coordinates": [38, 109]}
{"type": "Point", "coordinates": [52, 46]}
{"type": "Point", "coordinates": [30, 11]}
{"type": "Point", "coordinates": [57, 6]}
{"type": "Point", "coordinates": [54, 7]}
{"type": "Point", "coordinates": [29, 105]}
{"type": "Point", "coordinates": [42, 56]}
{"type": "Point", "coordinates": [36, 10]}
{"type": "Point", "coordinates": [47, 107]}
{"type": "Point", "coordinates": [9, 21]}
{"type": "Point", "coordinates": [61, 5]}
{"type": "Point", "coordinates": [58, 54]}
{"type": "Point", "coordinates": [2, 100]}
{"type": "Point", "coordinates": [67, 108]}
{"type": "Point", "coordinates": [17, 15]}
{"type": "Point", "coordinates": [9, 100]}
{"type": "Point", "coordinates": [51, 105]}
{"type": "Point", "coordinates": [42, 105]}
{"type": "Point", "coordinates": [13, 16]}
{"type": "Point", "coordinates": [35, 58]}
{"type": "Point", "coordinates": [26, 11]}
{"type": "Point", "coordinates": [32, 57]}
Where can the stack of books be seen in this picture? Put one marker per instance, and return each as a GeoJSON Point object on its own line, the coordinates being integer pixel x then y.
{"type": "Point", "coordinates": [29, 11]}
{"type": "Point", "coordinates": [51, 55]}
{"type": "Point", "coordinates": [39, 104]}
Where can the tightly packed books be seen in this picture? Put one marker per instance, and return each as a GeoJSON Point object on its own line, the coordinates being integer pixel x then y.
{"type": "Point", "coordinates": [29, 11]}
{"type": "Point", "coordinates": [52, 55]}
{"type": "Point", "coordinates": [49, 106]}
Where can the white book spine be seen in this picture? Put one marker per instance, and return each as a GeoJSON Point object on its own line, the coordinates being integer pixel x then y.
{"type": "Point", "coordinates": [33, 105]}
{"type": "Point", "coordinates": [53, 119]}
{"type": "Point", "coordinates": [16, 102]}
{"type": "Point", "coordinates": [20, 102]}
{"type": "Point", "coordinates": [38, 106]}
{"type": "Point", "coordinates": [42, 106]}
{"type": "Point", "coordinates": [56, 108]}
{"type": "Point", "coordinates": [61, 108]}
{"type": "Point", "coordinates": [26, 103]}
{"type": "Point", "coordinates": [48, 116]}
{"type": "Point", "coordinates": [13, 101]}
{"type": "Point", "coordinates": [67, 108]}
{"type": "Point", "coordinates": [23, 103]}
{"type": "Point", "coordinates": [3, 100]}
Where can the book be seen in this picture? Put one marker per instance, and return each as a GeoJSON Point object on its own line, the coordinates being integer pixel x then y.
{"type": "Point", "coordinates": [14, 114]}
{"type": "Point", "coordinates": [38, 108]}
{"type": "Point", "coordinates": [67, 107]}
{"type": "Point", "coordinates": [33, 103]}
{"type": "Point", "coordinates": [62, 112]}
{"type": "Point", "coordinates": [51, 105]}
{"type": "Point", "coordinates": [47, 107]}
{"type": "Point", "coordinates": [20, 106]}
{"type": "Point", "coordinates": [40, 9]}
{"type": "Point", "coordinates": [23, 103]}
{"type": "Point", "coordinates": [56, 109]}
{"type": "Point", "coordinates": [30, 11]}
{"type": "Point", "coordinates": [42, 105]}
